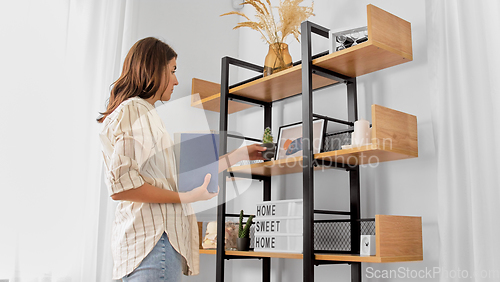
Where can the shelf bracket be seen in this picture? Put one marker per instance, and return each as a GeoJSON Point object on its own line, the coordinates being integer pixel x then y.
{"type": "Point", "coordinates": [245, 175]}
{"type": "Point", "coordinates": [228, 257]}
{"type": "Point", "coordinates": [244, 138]}
{"type": "Point", "coordinates": [330, 212]}
{"type": "Point", "coordinates": [316, 28]}
{"type": "Point", "coordinates": [331, 74]}
{"type": "Point", "coordinates": [243, 64]}
{"type": "Point", "coordinates": [246, 100]}
{"type": "Point", "coordinates": [246, 81]}
{"type": "Point", "coordinates": [341, 166]}
{"type": "Point", "coordinates": [334, 120]}
{"type": "Point", "coordinates": [238, 215]}
{"type": "Point", "coordinates": [326, 262]}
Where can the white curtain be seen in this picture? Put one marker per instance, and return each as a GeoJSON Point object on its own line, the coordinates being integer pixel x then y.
{"type": "Point", "coordinates": [464, 59]}
{"type": "Point", "coordinates": [58, 59]}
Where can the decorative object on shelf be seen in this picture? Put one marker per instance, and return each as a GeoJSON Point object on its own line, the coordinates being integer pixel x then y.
{"type": "Point", "coordinates": [291, 15]}
{"type": "Point", "coordinates": [290, 139]}
{"type": "Point", "coordinates": [268, 142]}
{"type": "Point", "coordinates": [348, 38]}
{"type": "Point", "coordinates": [279, 226]}
{"type": "Point", "coordinates": [244, 232]}
{"type": "Point", "coordinates": [368, 245]}
{"type": "Point", "coordinates": [336, 141]}
{"type": "Point", "coordinates": [362, 133]}
{"type": "Point", "coordinates": [210, 239]}
{"type": "Point", "coordinates": [231, 235]}
{"type": "Point", "coordinates": [278, 58]}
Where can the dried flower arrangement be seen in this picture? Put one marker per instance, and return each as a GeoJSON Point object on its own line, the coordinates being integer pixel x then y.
{"type": "Point", "coordinates": [291, 15]}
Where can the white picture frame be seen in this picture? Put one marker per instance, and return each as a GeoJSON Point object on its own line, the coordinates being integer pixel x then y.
{"type": "Point", "coordinates": [290, 139]}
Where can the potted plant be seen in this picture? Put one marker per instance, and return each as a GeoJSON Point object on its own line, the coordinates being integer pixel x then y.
{"type": "Point", "coordinates": [268, 142]}
{"type": "Point", "coordinates": [274, 32]}
{"type": "Point", "coordinates": [243, 243]}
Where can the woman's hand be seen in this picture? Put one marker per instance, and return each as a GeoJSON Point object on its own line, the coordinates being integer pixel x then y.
{"type": "Point", "coordinates": [251, 152]}
{"type": "Point", "coordinates": [199, 193]}
{"type": "Point", "coordinates": [254, 152]}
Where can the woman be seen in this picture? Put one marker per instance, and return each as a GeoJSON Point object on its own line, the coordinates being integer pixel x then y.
{"type": "Point", "coordinates": [155, 231]}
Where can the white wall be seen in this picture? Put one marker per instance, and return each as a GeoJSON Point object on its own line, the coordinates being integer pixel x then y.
{"type": "Point", "coordinates": [406, 187]}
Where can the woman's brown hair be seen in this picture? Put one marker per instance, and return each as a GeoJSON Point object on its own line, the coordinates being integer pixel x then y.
{"type": "Point", "coordinates": [142, 74]}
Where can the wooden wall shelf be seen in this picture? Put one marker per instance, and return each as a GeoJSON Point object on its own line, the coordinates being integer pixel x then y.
{"type": "Point", "coordinates": [321, 256]}
{"type": "Point", "coordinates": [399, 239]}
{"type": "Point", "coordinates": [389, 44]}
{"type": "Point", "coordinates": [394, 137]}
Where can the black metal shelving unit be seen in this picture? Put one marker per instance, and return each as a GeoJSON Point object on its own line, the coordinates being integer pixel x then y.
{"type": "Point", "coordinates": [308, 69]}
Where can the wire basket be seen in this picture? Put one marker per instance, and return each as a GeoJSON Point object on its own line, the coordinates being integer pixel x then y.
{"type": "Point", "coordinates": [335, 235]}
{"type": "Point", "coordinates": [335, 141]}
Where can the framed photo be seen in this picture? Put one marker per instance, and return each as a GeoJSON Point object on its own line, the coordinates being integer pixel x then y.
{"type": "Point", "coordinates": [290, 139]}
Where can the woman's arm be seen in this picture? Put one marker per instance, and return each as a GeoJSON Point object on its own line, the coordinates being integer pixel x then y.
{"type": "Point", "coordinates": [252, 152]}
{"type": "Point", "coordinates": [148, 193]}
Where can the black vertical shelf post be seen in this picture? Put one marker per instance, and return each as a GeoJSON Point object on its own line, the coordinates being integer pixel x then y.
{"type": "Point", "coordinates": [307, 28]}
{"type": "Point", "coordinates": [223, 127]}
{"type": "Point", "coordinates": [307, 154]}
{"type": "Point", "coordinates": [266, 262]}
{"type": "Point", "coordinates": [354, 184]}
{"type": "Point", "coordinates": [221, 200]}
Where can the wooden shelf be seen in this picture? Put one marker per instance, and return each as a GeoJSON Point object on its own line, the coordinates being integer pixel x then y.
{"type": "Point", "coordinates": [394, 137]}
{"type": "Point", "coordinates": [208, 251]}
{"type": "Point", "coordinates": [320, 256]}
{"type": "Point", "coordinates": [389, 44]}
{"type": "Point", "coordinates": [399, 239]}
{"type": "Point", "coordinates": [271, 88]}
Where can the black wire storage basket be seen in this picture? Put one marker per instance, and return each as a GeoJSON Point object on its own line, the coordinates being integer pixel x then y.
{"type": "Point", "coordinates": [333, 235]}
{"type": "Point", "coordinates": [335, 141]}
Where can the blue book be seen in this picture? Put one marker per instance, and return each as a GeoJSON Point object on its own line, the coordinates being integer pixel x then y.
{"type": "Point", "coordinates": [198, 154]}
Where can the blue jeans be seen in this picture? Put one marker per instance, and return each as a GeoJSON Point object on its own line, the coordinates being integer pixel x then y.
{"type": "Point", "coordinates": [163, 263]}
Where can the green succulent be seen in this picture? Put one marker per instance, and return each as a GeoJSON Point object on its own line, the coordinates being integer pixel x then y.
{"type": "Point", "coordinates": [244, 232]}
{"type": "Point", "coordinates": [268, 136]}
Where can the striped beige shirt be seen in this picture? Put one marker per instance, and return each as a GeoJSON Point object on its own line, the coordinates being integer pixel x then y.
{"type": "Point", "coordinates": [137, 149]}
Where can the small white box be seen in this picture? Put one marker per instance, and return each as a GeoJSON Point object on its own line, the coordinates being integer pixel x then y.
{"type": "Point", "coordinates": [280, 208]}
{"type": "Point", "coordinates": [368, 245]}
{"type": "Point", "coordinates": [277, 225]}
{"type": "Point", "coordinates": [279, 243]}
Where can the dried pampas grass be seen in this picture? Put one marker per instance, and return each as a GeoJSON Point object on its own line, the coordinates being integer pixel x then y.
{"type": "Point", "coordinates": [290, 17]}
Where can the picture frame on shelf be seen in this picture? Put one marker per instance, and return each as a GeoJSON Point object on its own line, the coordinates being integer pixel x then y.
{"type": "Point", "coordinates": [290, 139]}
